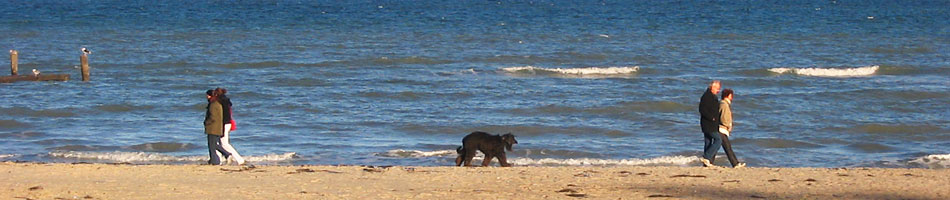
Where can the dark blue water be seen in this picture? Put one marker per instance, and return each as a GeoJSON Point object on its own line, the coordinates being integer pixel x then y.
{"type": "Point", "coordinates": [819, 83]}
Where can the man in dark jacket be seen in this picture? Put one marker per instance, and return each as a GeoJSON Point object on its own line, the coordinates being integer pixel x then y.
{"type": "Point", "coordinates": [214, 127]}
{"type": "Point", "coordinates": [709, 121]}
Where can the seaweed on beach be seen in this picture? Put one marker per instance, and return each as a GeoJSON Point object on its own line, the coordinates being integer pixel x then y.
{"type": "Point", "coordinates": [687, 175]}
{"type": "Point", "coordinates": [568, 190]}
{"type": "Point", "coordinates": [242, 169]}
{"type": "Point", "coordinates": [577, 195]}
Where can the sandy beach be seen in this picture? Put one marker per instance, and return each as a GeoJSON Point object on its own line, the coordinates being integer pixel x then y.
{"type": "Point", "coordinates": [120, 181]}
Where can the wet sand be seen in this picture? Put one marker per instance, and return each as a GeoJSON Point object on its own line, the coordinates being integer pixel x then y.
{"type": "Point", "coordinates": [119, 181]}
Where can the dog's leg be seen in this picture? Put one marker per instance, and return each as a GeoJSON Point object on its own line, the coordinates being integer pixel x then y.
{"type": "Point", "coordinates": [469, 154]}
{"type": "Point", "coordinates": [503, 160]}
{"type": "Point", "coordinates": [487, 161]}
{"type": "Point", "coordinates": [461, 154]}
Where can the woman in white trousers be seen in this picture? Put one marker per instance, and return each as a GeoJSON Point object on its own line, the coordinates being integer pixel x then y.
{"type": "Point", "coordinates": [226, 138]}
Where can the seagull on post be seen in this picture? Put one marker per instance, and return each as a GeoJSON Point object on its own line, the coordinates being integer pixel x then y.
{"type": "Point", "coordinates": [86, 51]}
{"type": "Point", "coordinates": [36, 72]}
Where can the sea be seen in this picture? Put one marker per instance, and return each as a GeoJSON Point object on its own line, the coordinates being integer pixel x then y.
{"type": "Point", "coordinates": [828, 84]}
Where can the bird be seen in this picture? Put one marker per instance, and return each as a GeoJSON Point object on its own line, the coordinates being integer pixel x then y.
{"type": "Point", "coordinates": [36, 72]}
{"type": "Point", "coordinates": [86, 51]}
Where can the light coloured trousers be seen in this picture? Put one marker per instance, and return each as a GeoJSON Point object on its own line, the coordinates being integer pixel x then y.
{"type": "Point", "coordinates": [226, 144]}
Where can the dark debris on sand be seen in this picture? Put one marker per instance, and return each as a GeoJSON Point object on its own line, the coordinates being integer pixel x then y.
{"type": "Point", "coordinates": [687, 175]}
{"type": "Point", "coordinates": [243, 169]}
{"type": "Point", "coordinates": [572, 192]}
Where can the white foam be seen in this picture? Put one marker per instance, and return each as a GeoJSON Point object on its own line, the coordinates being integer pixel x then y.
{"type": "Point", "coordinates": [933, 161]}
{"type": "Point", "coordinates": [829, 72]}
{"type": "Point", "coordinates": [272, 157]}
{"type": "Point", "coordinates": [145, 157]}
{"type": "Point", "coordinates": [575, 71]}
{"type": "Point", "coordinates": [5, 156]}
{"type": "Point", "coordinates": [658, 161]}
{"type": "Point", "coordinates": [459, 72]}
{"type": "Point", "coordinates": [417, 154]}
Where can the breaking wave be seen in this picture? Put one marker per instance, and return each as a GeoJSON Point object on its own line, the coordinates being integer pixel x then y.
{"type": "Point", "coordinates": [829, 72]}
{"type": "Point", "coordinates": [146, 157]}
{"type": "Point", "coordinates": [36, 113]}
{"type": "Point", "coordinates": [11, 124]}
{"type": "Point", "coordinates": [589, 71]}
{"type": "Point", "coordinates": [400, 153]}
{"type": "Point", "coordinates": [895, 129]}
{"type": "Point", "coordinates": [6, 156]}
{"type": "Point", "coordinates": [164, 147]}
{"type": "Point", "coordinates": [681, 161]}
{"type": "Point", "coordinates": [122, 107]}
{"type": "Point", "coordinates": [932, 162]}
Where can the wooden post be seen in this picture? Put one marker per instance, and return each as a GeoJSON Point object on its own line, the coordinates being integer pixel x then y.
{"type": "Point", "coordinates": [13, 62]}
{"type": "Point", "coordinates": [84, 60]}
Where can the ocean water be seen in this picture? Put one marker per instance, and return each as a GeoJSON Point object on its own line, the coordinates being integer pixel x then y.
{"type": "Point", "coordinates": [602, 83]}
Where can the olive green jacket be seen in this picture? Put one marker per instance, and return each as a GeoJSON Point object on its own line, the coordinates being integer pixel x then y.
{"type": "Point", "coordinates": [214, 119]}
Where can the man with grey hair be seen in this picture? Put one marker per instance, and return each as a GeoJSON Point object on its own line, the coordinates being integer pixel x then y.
{"type": "Point", "coordinates": [709, 122]}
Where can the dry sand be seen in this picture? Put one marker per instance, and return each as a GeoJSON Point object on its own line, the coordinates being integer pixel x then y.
{"type": "Point", "coordinates": [106, 181]}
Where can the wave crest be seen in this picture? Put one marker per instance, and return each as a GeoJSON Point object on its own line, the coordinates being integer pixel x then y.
{"type": "Point", "coordinates": [164, 147]}
{"type": "Point", "coordinates": [122, 107]}
{"type": "Point", "coordinates": [658, 161]}
{"type": "Point", "coordinates": [895, 129]}
{"type": "Point", "coordinates": [588, 71]}
{"type": "Point", "coordinates": [933, 161]}
{"type": "Point", "coordinates": [829, 72]}
{"type": "Point", "coordinates": [400, 153]}
{"type": "Point", "coordinates": [144, 157]}
{"type": "Point", "coordinates": [11, 124]}
{"type": "Point", "coordinates": [6, 156]}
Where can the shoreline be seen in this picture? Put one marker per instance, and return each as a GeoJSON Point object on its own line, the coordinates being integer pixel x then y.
{"type": "Point", "coordinates": [126, 181]}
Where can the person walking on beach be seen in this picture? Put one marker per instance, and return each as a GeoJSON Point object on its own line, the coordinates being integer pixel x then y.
{"type": "Point", "coordinates": [709, 122]}
{"type": "Point", "coordinates": [725, 126]}
{"type": "Point", "coordinates": [228, 125]}
{"type": "Point", "coordinates": [214, 127]}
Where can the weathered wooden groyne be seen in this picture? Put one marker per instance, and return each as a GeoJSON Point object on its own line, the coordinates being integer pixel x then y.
{"type": "Point", "coordinates": [38, 76]}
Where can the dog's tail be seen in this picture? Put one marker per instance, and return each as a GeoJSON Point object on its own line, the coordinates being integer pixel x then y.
{"type": "Point", "coordinates": [460, 151]}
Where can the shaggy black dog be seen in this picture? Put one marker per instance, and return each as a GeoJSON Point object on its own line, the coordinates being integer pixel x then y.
{"type": "Point", "coordinates": [490, 145]}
